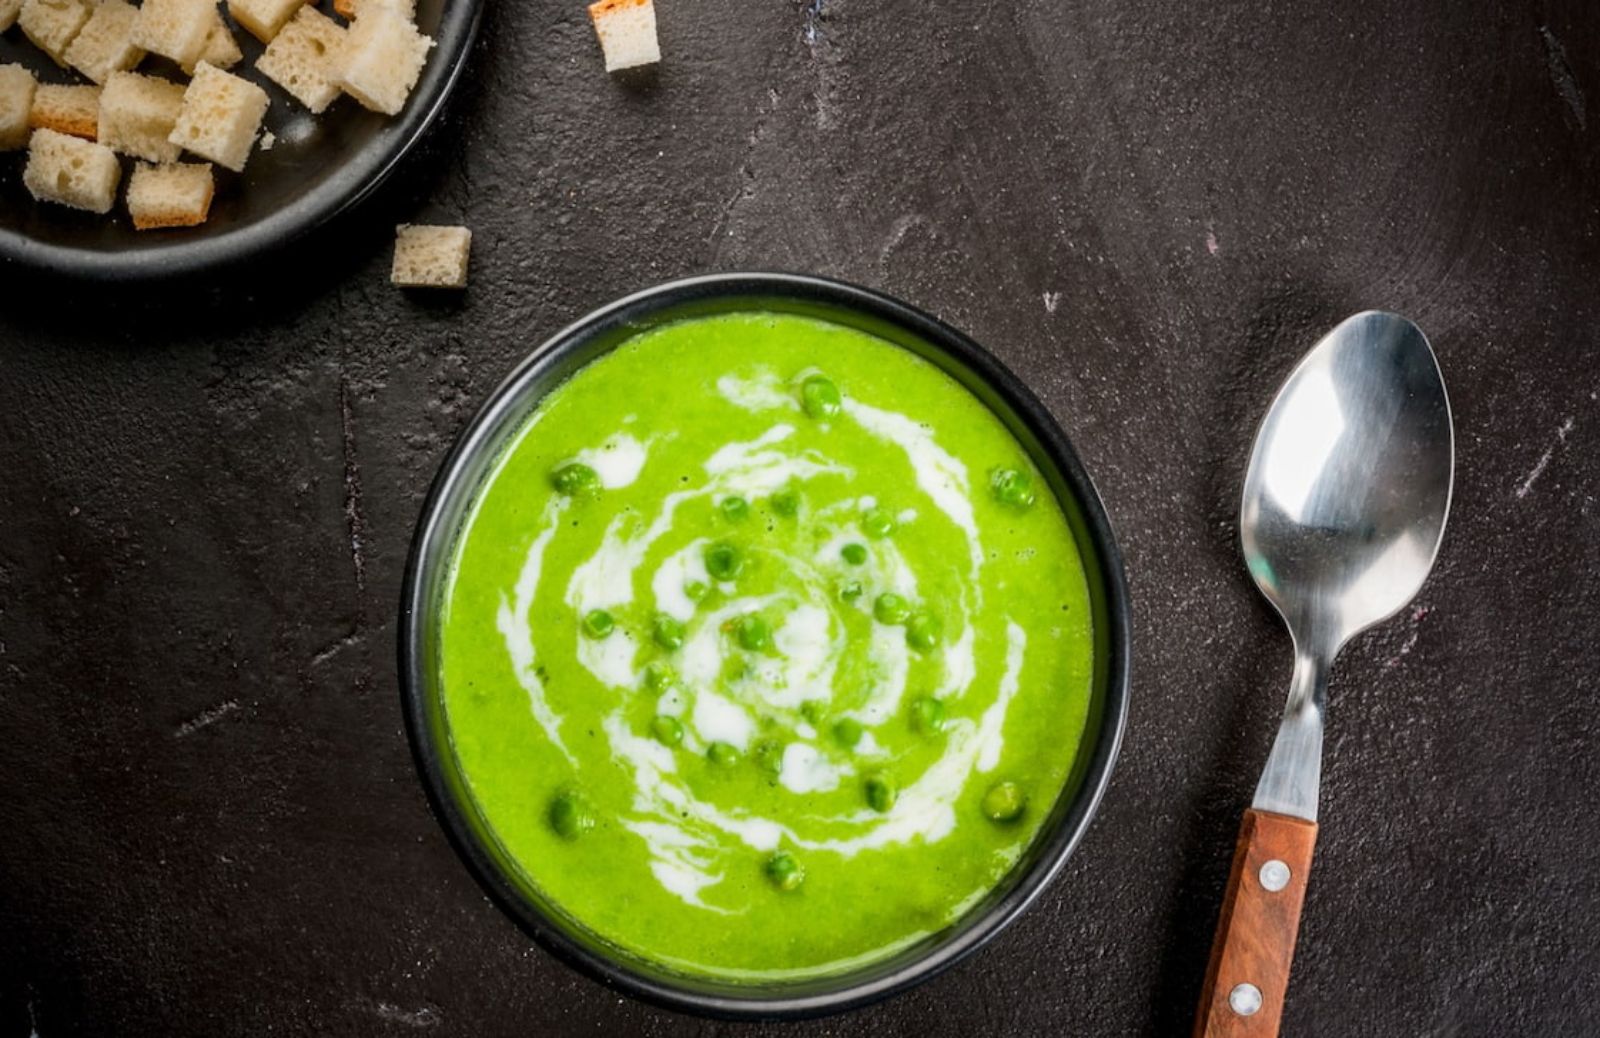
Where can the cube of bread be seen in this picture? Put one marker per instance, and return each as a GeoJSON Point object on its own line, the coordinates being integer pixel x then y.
{"type": "Point", "coordinates": [105, 45]}
{"type": "Point", "coordinates": [406, 9]}
{"type": "Point", "coordinates": [175, 29]}
{"type": "Point", "coordinates": [16, 106]}
{"type": "Point", "coordinates": [263, 18]}
{"type": "Point", "coordinates": [297, 59]}
{"type": "Point", "coordinates": [221, 49]}
{"type": "Point", "coordinates": [627, 31]}
{"type": "Point", "coordinates": [67, 109]}
{"type": "Point", "coordinates": [137, 116]}
{"type": "Point", "coordinates": [220, 117]}
{"type": "Point", "coordinates": [52, 25]}
{"type": "Point", "coordinates": [381, 59]}
{"type": "Point", "coordinates": [176, 195]}
{"type": "Point", "coordinates": [9, 9]}
{"type": "Point", "coordinates": [71, 172]}
{"type": "Point", "coordinates": [430, 257]}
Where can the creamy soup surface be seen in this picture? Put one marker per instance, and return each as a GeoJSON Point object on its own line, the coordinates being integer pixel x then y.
{"type": "Point", "coordinates": [765, 649]}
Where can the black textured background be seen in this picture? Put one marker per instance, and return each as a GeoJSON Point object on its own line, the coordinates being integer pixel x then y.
{"type": "Point", "coordinates": [209, 822]}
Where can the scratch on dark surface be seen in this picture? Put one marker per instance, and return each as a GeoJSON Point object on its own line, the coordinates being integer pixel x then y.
{"type": "Point", "coordinates": [1418, 614]}
{"type": "Point", "coordinates": [746, 173]}
{"type": "Point", "coordinates": [813, 27]}
{"type": "Point", "coordinates": [427, 1016]}
{"type": "Point", "coordinates": [333, 649]}
{"type": "Point", "coordinates": [1561, 75]}
{"type": "Point", "coordinates": [897, 235]}
{"type": "Point", "coordinates": [1544, 459]}
{"type": "Point", "coordinates": [210, 715]}
{"type": "Point", "coordinates": [354, 520]}
{"type": "Point", "coordinates": [1211, 242]}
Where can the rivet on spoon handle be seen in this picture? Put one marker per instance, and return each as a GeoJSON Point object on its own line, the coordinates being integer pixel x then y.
{"type": "Point", "coordinates": [1249, 971]}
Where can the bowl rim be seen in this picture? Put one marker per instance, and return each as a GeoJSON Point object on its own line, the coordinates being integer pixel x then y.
{"type": "Point", "coordinates": [1052, 846]}
{"type": "Point", "coordinates": [340, 192]}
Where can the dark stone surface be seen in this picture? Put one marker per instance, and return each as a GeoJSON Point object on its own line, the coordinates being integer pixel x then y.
{"type": "Point", "coordinates": [210, 821]}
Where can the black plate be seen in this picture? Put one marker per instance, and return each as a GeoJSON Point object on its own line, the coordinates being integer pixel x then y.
{"type": "Point", "coordinates": [320, 166]}
{"type": "Point", "coordinates": [467, 466]}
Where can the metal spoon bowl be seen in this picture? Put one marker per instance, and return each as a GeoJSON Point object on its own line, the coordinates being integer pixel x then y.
{"type": "Point", "coordinates": [1343, 510]}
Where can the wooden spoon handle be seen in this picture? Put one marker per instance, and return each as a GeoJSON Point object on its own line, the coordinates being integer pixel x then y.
{"type": "Point", "coordinates": [1249, 972]}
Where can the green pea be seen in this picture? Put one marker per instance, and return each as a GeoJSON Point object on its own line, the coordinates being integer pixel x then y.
{"type": "Point", "coordinates": [880, 793]}
{"type": "Point", "coordinates": [786, 502]}
{"type": "Point", "coordinates": [927, 715]}
{"type": "Point", "coordinates": [735, 668]}
{"type": "Point", "coordinates": [878, 523]}
{"type": "Point", "coordinates": [820, 397]}
{"type": "Point", "coordinates": [784, 872]}
{"type": "Point", "coordinates": [1013, 488]}
{"type": "Point", "coordinates": [850, 592]}
{"type": "Point", "coordinates": [848, 731]}
{"type": "Point", "coordinates": [570, 816]}
{"type": "Point", "coordinates": [891, 608]}
{"type": "Point", "coordinates": [667, 632]}
{"type": "Point", "coordinates": [723, 560]}
{"type": "Point", "coordinates": [696, 590]}
{"type": "Point", "coordinates": [723, 754]}
{"type": "Point", "coordinates": [923, 630]}
{"type": "Point", "coordinates": [1004, 802]}
{"type": "Point", "coordinates": [854, 554]}
{"type": "Point", "coordinates": [575, 479]}
{"type": "Point", "coordinates": [658, 677]}
{"type": "Point", "coordinates": [813, 711]}
{"type": "Point", "coordinates": [598, 623]}
{"type": "Point", "coordinates": [753, 632]}
{"type": "Point", "coordinates": [668, 730]}
{"type": "Point", "coordinates": [768, 755]}
{"type": "Point", "coordinates": [735, 509]}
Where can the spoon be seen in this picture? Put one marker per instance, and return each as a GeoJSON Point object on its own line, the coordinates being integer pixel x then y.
{"type": "Point", "coordinates": [1343, 508]}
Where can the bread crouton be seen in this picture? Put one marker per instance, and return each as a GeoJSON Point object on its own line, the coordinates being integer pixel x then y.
{"type": "Point", "coordinates": [627, 31]}
{"type": "Point", "coordinates": [176, 195]}
{"type": "Point", "coordinates": [263, 18]}
{"type": "Point", "coordinates": [381, 59]}
{"type": "Point", "coordinates": [221, 49]}
{"type": "Point", "coordinates": [406, 9]}
{"type": "Point", "coordinates": [9, 9]}
{"type": "Point", "coordinates": [16, 106]}
{"type": "Point", "coordinates": [52, 25]}
{"type": "Point", "coordinates": [67, 109]}
{"type": "Point", "coordinates": [71, 172]}
{"type": "Point", "coordinates": [220, 117]}
{"type": "Point", "coordinates": [106, 43]}
{"type": "Point", "coordinates": [175, 29]}
{"type": "Point", "coordinates": [430, 257]}
{"type": "Point", "coordinates": [297, 59]}
{"type": "Point", "coordinates": [137, 115]}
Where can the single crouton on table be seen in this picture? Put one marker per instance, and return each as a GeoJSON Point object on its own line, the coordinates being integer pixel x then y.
{"type": "Point", "coordinates": [627, 31]}
{"type": "Point", "coordinates": [430, 257]}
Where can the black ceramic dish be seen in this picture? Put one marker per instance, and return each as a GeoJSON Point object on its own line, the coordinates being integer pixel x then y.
{"type": "Point", "coordinates": [319, 167]}
{"type": "Point", "coordinates": [457, 484]}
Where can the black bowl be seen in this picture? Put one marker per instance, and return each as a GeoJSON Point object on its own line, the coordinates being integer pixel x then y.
{"type": "Point", "coordinates": [457, 484]}
{"type": "Point", "coordinates": [320, 166]}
